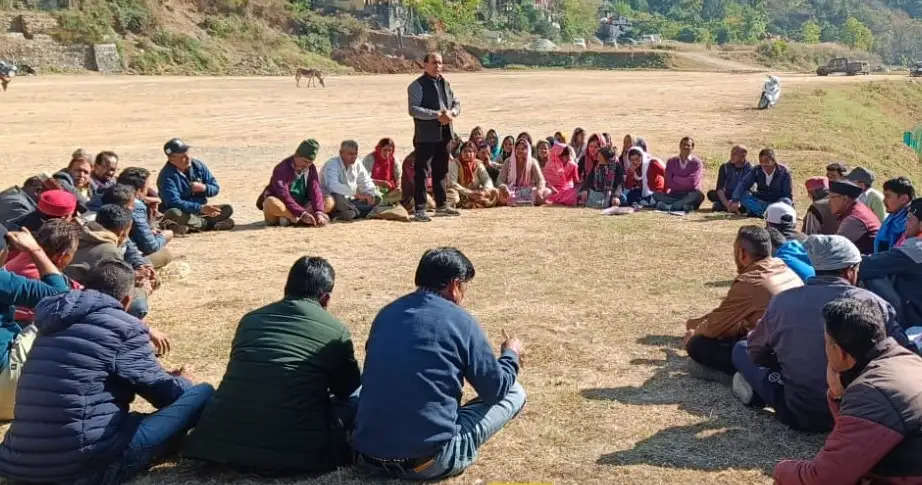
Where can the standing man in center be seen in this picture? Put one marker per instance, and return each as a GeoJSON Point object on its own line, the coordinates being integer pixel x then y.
{"type": "Point", "coordinates": [433, 107]}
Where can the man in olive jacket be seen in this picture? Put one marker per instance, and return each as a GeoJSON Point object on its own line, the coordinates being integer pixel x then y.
{"type": "Point", "coordinates": [288, 396]}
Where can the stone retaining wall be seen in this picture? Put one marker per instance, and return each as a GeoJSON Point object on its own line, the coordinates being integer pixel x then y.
{"type": "Point", "coordinates": [41, 52]}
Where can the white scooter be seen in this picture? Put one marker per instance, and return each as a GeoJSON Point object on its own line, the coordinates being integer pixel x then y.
{"type": "Point", "coordinates": [771, 93]}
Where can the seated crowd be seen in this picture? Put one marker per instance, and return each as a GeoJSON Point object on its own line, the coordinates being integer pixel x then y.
{"type": "Point", "coordinates": [821, 324]}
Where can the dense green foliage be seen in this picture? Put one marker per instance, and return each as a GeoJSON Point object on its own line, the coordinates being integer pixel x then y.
{"type": "Point", "coordinates": [891, 28]}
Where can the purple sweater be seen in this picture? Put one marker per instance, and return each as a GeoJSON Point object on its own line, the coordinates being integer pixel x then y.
{"type": "Point", "coordinates": [682, 180]}
{"type": "Point", "coordinates": [280, 187]}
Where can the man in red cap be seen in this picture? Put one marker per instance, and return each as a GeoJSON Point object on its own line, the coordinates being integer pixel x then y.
{"type": "Point", "coordinates": [819, 218]}
{"type": "Point", "coordinates": [52, 204]}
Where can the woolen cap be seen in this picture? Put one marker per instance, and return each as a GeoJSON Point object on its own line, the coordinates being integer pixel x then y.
{"type": "Point", "coordinates": [780, 213]}
{"type": "Point", "coordinates": [817, 183]}
{"type": "Point", "coordinates": [860, 174]}
{"type": "Point", "coordinates": [3, 232]}
{"type": "Point", "coordinates": [57, 203]}
{"type": "Point", "coordinates": [846, 188]}
{"type": "Point", "coordinates": [308, 149]}
{"type": "Point", "coordinates": [831, 253]}
{"type": "Point", "coordinates": [81, 154]}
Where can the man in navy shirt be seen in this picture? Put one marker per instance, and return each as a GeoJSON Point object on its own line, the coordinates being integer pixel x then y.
{"type": "Point", "coordinates": [185, 185]}
{"type": "Point", "coordinates": [421, 349]}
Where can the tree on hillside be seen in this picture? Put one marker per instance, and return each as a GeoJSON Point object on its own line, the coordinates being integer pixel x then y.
{"type": "Point", "coordinates": [810, 32]}
{"type": "Point", "coordinates": [857, 35]}
{"type": "Point", "coordinates": [578, 18]}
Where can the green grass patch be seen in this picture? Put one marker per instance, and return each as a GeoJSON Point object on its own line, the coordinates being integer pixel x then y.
{"type": "Point", "coordinates": [860, 124]}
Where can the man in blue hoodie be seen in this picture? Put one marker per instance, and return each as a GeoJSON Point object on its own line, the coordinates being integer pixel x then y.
{"type": "Point", "coordinates": [73, 423]}
{"type": "Point", "coordinates": [787, 242]}
{"type": "Point", "coordinates": [185, 184]}
{"type": "Point", "coordinates": [421, 349]}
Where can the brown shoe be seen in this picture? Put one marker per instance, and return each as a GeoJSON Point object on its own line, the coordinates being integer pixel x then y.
{"type": "Point", "coordinates": [177, 228]}
{"type": "Point", "coordinates": [225, 225]}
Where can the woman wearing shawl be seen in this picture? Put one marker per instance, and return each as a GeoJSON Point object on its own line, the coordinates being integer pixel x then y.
{"type": "Point", "coordinates": [645, 177]}
{"type": "Point", "coordinates": [603, 184]}
{"type": "Point", "coordinates": [469, 184]}
{"type": "Point", "coordinates": [492, 139]}
{"type": "Point", "coordinates": [408, 184]}
{"type": "Point", "coordinates": [578, 142]}
{"type": "Point", "coordinates": [559, 138]}
{"type": "Point", "coordinates": [626, 145]}
{"type": "Point", "coordinates": [476, 136]}
{"type": "Point", "coordinates": [384, 170]}
{"type": "Point", "coordinates": [595, 144]}
{"type": "Point", "coordinates": [562, 176]}
{"type": "Point", "coordinates": [521, 181]}
{"type": "Point", "coordinates": [505, 151]}
{"type": "Point", "coordinates": [543, 153]}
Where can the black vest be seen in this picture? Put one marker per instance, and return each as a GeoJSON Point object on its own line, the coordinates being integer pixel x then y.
{"type": "Point", "coordinates": [431, 131]}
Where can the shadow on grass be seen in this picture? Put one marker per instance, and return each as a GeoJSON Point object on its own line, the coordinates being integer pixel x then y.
{"type": "Point", "coordinates": [719, 284]}
{"type": "Point", "coordinates": [718, 216]}
{"type": "Point", "coordinates": [728, 436]}
{"type": "Point", "coordinates": [250, 226]}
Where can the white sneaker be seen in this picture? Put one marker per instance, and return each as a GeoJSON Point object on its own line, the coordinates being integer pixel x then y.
{"type": "Point", "coordinates": [742, 390]}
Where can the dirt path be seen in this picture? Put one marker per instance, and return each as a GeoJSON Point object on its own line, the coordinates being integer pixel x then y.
{"type": "Point", "coordinates": [708, 62]}
{"type": "Point", "coordinates": [599, 301]}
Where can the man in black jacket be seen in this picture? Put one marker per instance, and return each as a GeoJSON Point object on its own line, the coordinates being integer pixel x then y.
{"type": "Point", "coordinates": [433, 106]}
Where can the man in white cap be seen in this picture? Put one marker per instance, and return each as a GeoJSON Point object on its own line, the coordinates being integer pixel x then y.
{"type": "Point", "coordinates": [787, 241]}
{"type": "Point", "coordinates": [782, 364]}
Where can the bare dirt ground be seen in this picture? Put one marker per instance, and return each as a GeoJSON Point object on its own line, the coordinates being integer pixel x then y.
{"type": "Point", "coordinates": [600, 302]}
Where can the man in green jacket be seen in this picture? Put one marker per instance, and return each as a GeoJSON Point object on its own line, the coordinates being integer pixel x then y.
{"type": "Point", "coordinates": [288, 397]}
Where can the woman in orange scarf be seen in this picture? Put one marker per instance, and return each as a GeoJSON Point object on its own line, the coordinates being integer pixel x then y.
{"type": "Point", "coordinates": [384, 170]}
{"type": "Point", "coordinates": [469, 184]}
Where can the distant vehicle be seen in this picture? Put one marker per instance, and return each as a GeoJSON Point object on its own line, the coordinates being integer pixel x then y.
{"type": "Point", "coordinates": [843, 65]}
{"type": "Point", "coordinates": [543, 45]}
{"type": "Point", "coordinates": [915, 70]}
{"type": "Point", "coordinates": [579, 42]}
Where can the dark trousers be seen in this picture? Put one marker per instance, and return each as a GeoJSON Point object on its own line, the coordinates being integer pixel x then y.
{"type": "Point", "coordinates": [718, 205]}
{"type": "Point", "coordinates": [348, 209]}
{"type": "Point", "coordinates": [712, 352]}
{"type": "Point", "coordinates": [434, 157]}
{"type": "Point", "coordinates": [197, 222]}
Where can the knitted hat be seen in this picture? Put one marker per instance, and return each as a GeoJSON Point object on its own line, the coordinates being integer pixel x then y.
{"type": "Point", "coordinates": [80, 154]}
{"type": "Point", "coordinates": [3, 232]}
{"type": "Point", "coordinates": [846, 188]}
{"type": "Point", "coordinates": [57, 203]}
{"type": "Point", "coordinates": [308, 149]}
{"type": "Point", "coordinates": [860, 174]}
{"type": "Point", "coordinates": [817, 183]}
{"type": "Point", "coordinates": [831, 253]}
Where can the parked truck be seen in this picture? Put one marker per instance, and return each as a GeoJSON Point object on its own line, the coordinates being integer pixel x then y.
{"type": "Point", "coordinates": [915, 70]}
{"type": "Point", "coordinates": [844, 65]}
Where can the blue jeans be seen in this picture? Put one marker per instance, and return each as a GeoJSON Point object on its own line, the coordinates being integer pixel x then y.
{"type": "Point", "coordinates": [478, 423]}
{"type": "Point", "coordinates": [635, 196]}
{"type": "Point", "coordinates": [755, 207]}
{"type": "Point", "coordinates": [767, 383]}
{"type": "Point", "coordinates": [158, 436]}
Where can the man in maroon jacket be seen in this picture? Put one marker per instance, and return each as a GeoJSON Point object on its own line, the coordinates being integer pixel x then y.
{"type": "Point", "coordinates": [857, 221]}
{"type": "Point", "coordinates": [875, 395]}
{"type": "Point", "coordinates": [293, 195]}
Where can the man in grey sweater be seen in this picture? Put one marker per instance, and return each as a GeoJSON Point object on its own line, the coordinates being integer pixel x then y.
{"type": "Point", "coordinates": [433, 106]}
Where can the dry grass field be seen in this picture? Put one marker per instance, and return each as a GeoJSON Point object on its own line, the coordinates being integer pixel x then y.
{"type": "Point", "coordinates": [598, 301]}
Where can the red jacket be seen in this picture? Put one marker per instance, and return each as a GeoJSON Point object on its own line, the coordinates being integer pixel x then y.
{"type": "Point", "coordinates": [656, 177]}
{"type": "Point", "coordinates": [877, 439]}
{"type": "Point", "coordinates": [22, 265]}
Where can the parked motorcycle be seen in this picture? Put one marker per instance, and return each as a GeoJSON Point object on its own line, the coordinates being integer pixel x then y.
{"type": "Point", "coordinates": [771, 93]}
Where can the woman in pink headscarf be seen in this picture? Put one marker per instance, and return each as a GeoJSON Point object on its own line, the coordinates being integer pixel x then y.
{"type": "Point", "coordinates": [562, 176]}
{"type": "Point", "coordinates": [521, 180]}
{"type": "Point", "coordinates": [594, 145]}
